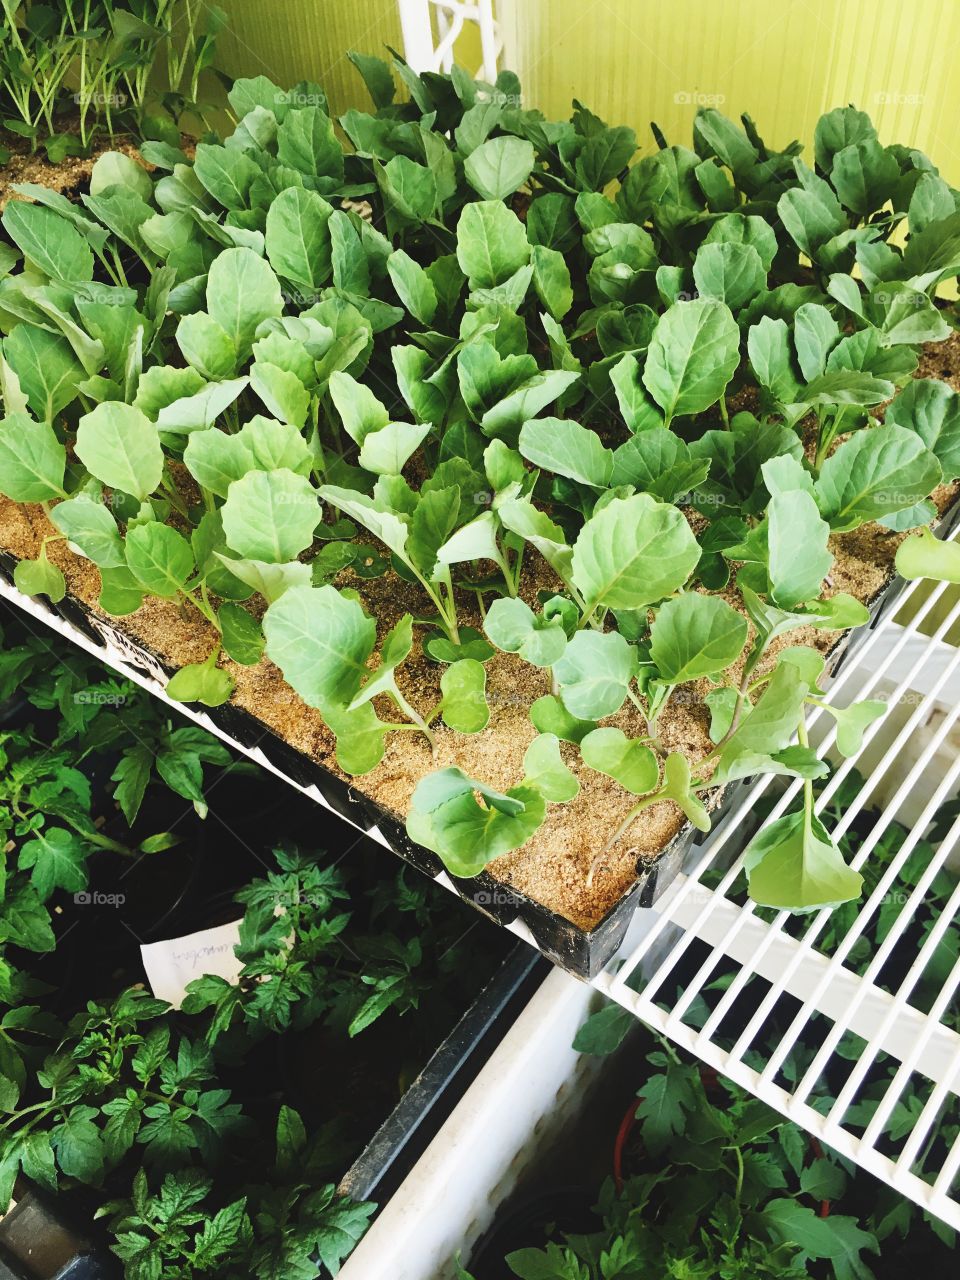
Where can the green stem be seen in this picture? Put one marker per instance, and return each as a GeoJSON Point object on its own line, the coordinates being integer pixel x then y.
{"type": "Point", "coordinates": [415, 716]}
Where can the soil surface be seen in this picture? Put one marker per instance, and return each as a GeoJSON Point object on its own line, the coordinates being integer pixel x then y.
{"type": "Point", "coordinates": [71, 176]}
{"type": "Point", "coordinates": [552, 867]}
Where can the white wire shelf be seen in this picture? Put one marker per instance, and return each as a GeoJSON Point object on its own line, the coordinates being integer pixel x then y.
{"type": "Point", "coordinates": [829, 1016]}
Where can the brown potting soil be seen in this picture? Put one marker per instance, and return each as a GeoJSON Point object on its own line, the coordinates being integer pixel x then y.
{"type": "Point", "coordinates": [552, 867]}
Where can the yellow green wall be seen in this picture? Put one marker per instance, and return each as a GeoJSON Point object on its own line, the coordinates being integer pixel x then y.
{"type": "Point", "coordinates": [784, 61]}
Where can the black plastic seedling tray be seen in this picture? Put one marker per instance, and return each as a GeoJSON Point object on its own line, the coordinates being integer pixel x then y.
{"type": "Point", "coordinates": [581, 952]}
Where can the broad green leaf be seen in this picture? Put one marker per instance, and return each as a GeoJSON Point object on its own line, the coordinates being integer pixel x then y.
{"type": "Point", "coordinates": [464, 704]}
{"type": "Point", "coordinates": [594, 674]}
{"type": "Point", "coordinates": [201, 682]}
{"type": "Point", "coordinates": [283, 394]}
{"type": "Point", "coordinates": [695, 635]}
{"type": "Point", "coordinates": [628, 761]}
{"type": "Point", "coordinates": [491, 244]}
{"type": "Point", "coordinates": [658, 463]}
{"type": "Point", "coordinates": [386, 451]}
{"type": "Point", "coordinates": [693, 355]}
{"type": "Point", "coordinates": [467, 833]}
{"type": "Point", "coordinates": [414, 287]}
{"type": "Point", "coordinates": [731, 273]}
{"type": "Point", "coordinates": [215, 459]}
{"type": "Point", "coordinates": [270, 515]}
{"type": "Point", "coordinates": [56, 859]}
{"type": "Point", "coordinates": [874, 473]}
{"type": "Point", "coordinates": [242, 292]}
{"type": "Point", "coordinates": [359, 409]}
{"type": "Point", "coordinates": [544, 769]}
{"type": "Point", "coordinates": [499, 166]}
{"type": "Point", "coordinates": [115, 168]}
{"type": "Point", "coordinates": [298, 238]}
{"type": "Point", "coordinates": [768, 346]}
{"type": "Point", "coordinates": [535, 526]}
{"type": "Point", "coordinates": [927, 556]}
{"type": "Point", "coordinates": [549, 716]}
{"type": "Point", "coordinates": [815, 333]}
{"type": "Point", "coordinates": [794, 864]}
{"type": "Point", "coordinates": [50, 242]}
{"type": "Point", "coordinates": [306, 142]}
{"type": "Point", "coordinates": [745, 229]}
{"type": "Point", "coordinates": [633, 552]}
{"type": "Point", "coordinates": [90, 525]}
{"type": "Point", "coordinates": [321, 641]}
{"type": "Point", "coordinates": [677, 786]}
{"type": "Point", "coordinates": [120, 446]}
{"type": "Point", "coordinates": [241, 634]}
{"type": "Point", "coordinates": [32, 460]}
{"type": "Point", "coordinates": [864, 176]}
{"type": "Point", "coordinates": [567, 449]}
{"type": "Point", "coordinates": [811, 212]}
{"type": "Point", "coordinates": [798, 557]}
{"type": "Point", "coordinates": [39, 578]}
{"type": "Point", "coordinates": [385, 525]}
{"type": "Point", "coordinates": [206, 346]}
{"type": "Point", "coordinates": [771, 725]}
{"type": "Point", "coordinates": [932, 409]}
{"type": "Point", "coordinates": [160, 558]}
{"type": "Point", "coordinates": [638, 409]}
{"type": "Point", "coordinates": [853, 721]}
{"type": "Point", "coordinates": [551, 279]}
{"type": "Point", "coordinates": [515, 628]}
{"type": "Point", "coordinates": [268, 580]}
{"type": "Point", "coordinates": [45, 367]}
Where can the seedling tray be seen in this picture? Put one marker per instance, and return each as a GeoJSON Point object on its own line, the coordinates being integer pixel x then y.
{"type": "Point", "coordinates": [582, 952]}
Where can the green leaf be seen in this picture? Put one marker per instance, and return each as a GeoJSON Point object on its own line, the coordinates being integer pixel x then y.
{"type": "Point", "coordinates": [927, 556]}
{"type": "Point", "coordinates": [797, 556]}
{"type": "Point", "coordinates": [535, 526]}
{"type": "Point", "coordinates": [815, 334]}
{"type": "Point", "coordinates": [242, 292]}
{"type": "Point", "coordinates": [281, 391]}
{"type": "Point", "coordinates": [464, 704]}
{"type": "Point", "coordinates": [794, 864]}
{"type": "Point", "coordinates": [78, 1146]}
{"type": "Point", "coordinates": [359, 409]}
{"type": "Point", "coordinates": [160, 558]}
{"type": "Point", "coordinates": [853, 721]}
{"type": "Point", "coordinates": [241, 634]}
{"type": "Point", "coordinates": [298, 238]}
{"type": "Point", "coordinates": [544, 769]}
{"type": "Point", "coordinates": [864, 175]}
{"type": "Point", "coordinates": [120, 446]}
{"type": "Point", "coordinates": [321, 641]}
{"type": "Point", "coordinates": [604, 1031]}
{"type": "Point", "coordinates": [45, 367]}
{"type": "Point", "coordinates": [216, 459]}
{"type": "Point", "coordinates": [567, 449]}
{"type": "Point", "coordinates": [206, 346]}
{"type": "Point", "coordinates": [491, 243]}
{"type": "Point", "coordinates": [676, 786]}
{"type": "Point", "coordinates": [32, 460]}
{"type": "Point", "coordinates": [695, 635]}
{"type": "Point", "coordinates": [628, 761]}
{"type": "Point", "coordinates": [730, 273]}
{"type": "Point", "coordinates": [811, 213]}
{"type": "Point", "coordinates": [270, 515]}
{"type": "Point", "coordinates": [50, 242]}
{"type": "Point", "coordinates": [693, 355]}
{"type": "Point", "coordinates": [594, 674]}
{"type": "Point", "coordinates": [549, 716]}
{"type": "Point", "coordinates": [414, 287]}
{"type": "Point", "coordinates": [632, 553]}
{"type": "Point", "coordinates": [515, 628]}
{"type": "Point", "coordinates": [659, 463]}
{"type": "Point", "coordinates": [465, 832]}
{"type": "Point", "coordinates": [874, 473]}
{"type": "Point", "coordinates": [772, 723]}
{"type": "Point", "coordinates": [39, 578]}
{"type": "Point", "coordinates": [386, 451]}
{"type": "Point", "coordinates": [198, 682]}
{"type": "Point", "coordinates": [551, 279]}
{"type": "Point", "coordinates": [57, 859]}
{"type": "Point", "coordinates": [90, 525]}
{"type": "Point", "coordinates": [499, 166]}
{"type": "Point", "coordinates": [932, 409]}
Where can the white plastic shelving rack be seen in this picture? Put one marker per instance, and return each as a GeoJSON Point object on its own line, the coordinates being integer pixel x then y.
{"type": "Point", "coordinates": [431, 29]}
{"type": "Point", "coordinates": [741, 987]}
